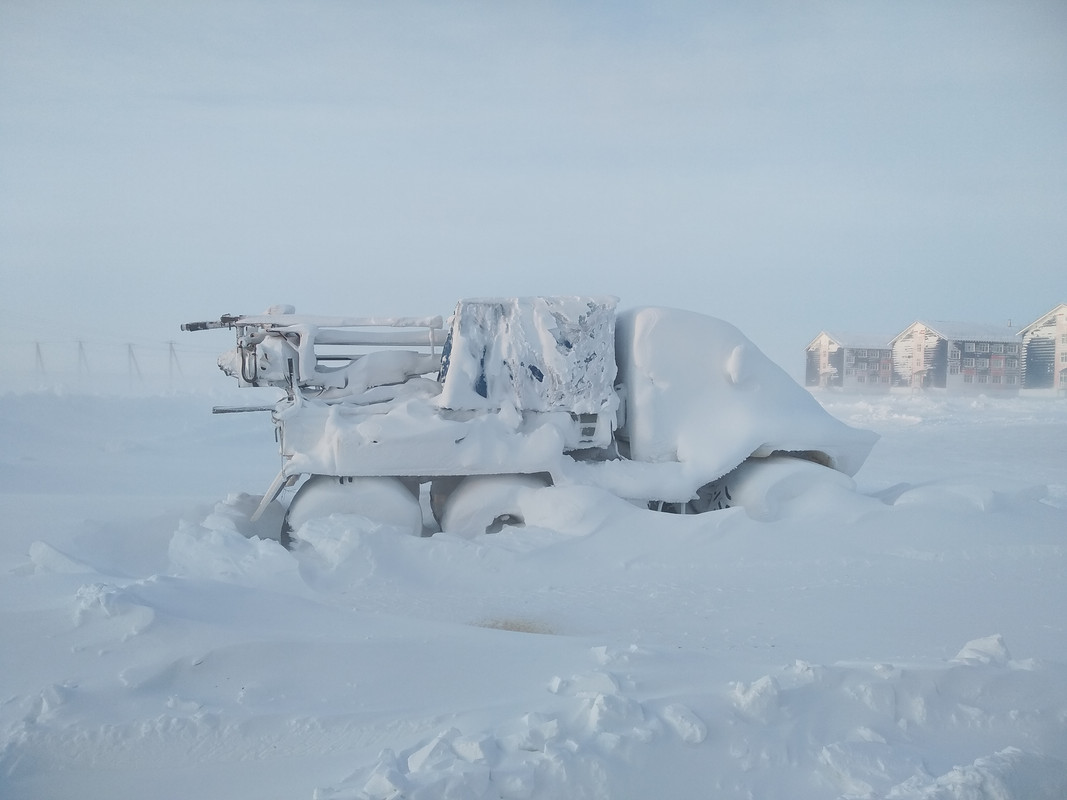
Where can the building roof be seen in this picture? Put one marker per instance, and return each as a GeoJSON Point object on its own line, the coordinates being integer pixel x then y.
{"type": "Point", "coordinates": [866, 341]}
{"type": "Point", "coordinates": [1040, 321]}
{"type": "Point", "coordinates": [966, 331]}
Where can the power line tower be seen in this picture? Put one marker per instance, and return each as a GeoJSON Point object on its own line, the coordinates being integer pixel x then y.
{"type": "Point", "coordinates": [83, 362]}
{"type": "Point", "coordinates": [132, 365]}
{"type": "Point", "coordinates": [173, 364]}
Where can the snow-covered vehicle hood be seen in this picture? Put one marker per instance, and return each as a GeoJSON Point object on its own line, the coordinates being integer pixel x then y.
{"type": "Point", "coordinates": [697, 391]}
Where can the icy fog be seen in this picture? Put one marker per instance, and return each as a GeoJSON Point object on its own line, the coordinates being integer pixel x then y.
{"type": "Point", "coordinates": [905, 640]}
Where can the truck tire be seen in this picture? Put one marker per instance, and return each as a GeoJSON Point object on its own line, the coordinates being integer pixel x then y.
{"type": "Point", "coordinates": [488, 503]}
{"type": "Point", "coordinates": [384, 501]}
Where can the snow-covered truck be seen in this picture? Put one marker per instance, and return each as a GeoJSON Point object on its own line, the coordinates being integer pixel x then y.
{"type": "Point", "coordinates": [670, 409]}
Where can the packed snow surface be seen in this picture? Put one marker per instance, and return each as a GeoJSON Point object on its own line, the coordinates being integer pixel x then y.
{"type": "Point", "coordinates": [902, 640]}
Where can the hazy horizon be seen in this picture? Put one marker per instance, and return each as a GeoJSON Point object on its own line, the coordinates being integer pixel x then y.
{"type": "Point", "coordinates": [789, 168]}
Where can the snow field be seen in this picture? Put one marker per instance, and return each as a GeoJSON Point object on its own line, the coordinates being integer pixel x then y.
{"type": "Point", "coordinates": [905, 640]}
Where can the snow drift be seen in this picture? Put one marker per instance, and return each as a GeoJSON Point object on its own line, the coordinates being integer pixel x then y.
{"type": "Point", "coordinates": [905, 640]}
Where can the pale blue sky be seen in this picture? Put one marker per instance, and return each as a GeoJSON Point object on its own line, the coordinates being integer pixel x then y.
{"type": "Point", "coordinates": [785, 166]}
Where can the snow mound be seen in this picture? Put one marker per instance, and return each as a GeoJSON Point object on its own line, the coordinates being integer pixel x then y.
{"type": "Point", "coordinates": [990, 650]}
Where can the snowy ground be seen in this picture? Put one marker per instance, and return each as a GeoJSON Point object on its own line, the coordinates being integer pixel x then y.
{"type": "Point", "coordinates": [904, 641]}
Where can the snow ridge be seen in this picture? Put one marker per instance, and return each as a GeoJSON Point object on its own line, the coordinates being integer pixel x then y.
{"type": "Point", "coordinates": [825, 731]}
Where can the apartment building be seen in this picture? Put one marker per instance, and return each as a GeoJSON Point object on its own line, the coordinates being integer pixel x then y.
{"type": "Point", "coordinates": [858, 362]}
{"type": "Point", "coordinates": [935, 354]}
{"type": "Point", "coordinates": [1044, 344]}
{"type": "Point", "coordinates": [962, 356]}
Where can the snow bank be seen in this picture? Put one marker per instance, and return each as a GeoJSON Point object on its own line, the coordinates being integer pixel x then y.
{"type": "Point", "coordinates": [804, 731]}
{"type": "Point", "coordinates": [900, 644]}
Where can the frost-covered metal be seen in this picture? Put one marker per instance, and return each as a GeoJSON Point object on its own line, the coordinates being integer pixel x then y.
{"type": "Point", "coordinates": [536, 354]}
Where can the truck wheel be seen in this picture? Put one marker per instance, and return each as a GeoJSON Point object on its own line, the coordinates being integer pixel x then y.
{"type": "Point", "coordinates": [488, 504]}
{"type": "Point", "coordinates": [441, 490]}
{"type": "Point", "coordinates": [763, 486]}
{"type": "Point", "coordinates": [713, 496]}
{"type": "Point", "coordinates": [385, 501]}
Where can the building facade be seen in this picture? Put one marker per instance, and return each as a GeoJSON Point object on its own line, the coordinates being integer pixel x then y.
{"type": "Point", "coordinates": [858, 362]}
{"type": "Point", "coordinates": [1044, 344]}
{"type": "Point", "coordinates": [958, 356]}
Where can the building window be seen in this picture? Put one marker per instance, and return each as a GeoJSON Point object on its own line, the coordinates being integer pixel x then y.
{"type": "Point", "coordinates": [968, 378]}
{"type": "Point", "coordinates": [1063, 357]}
{"type": "Point", "coordinates": [983, 379]}
{"type": "Point", "coordinates": [983, 347]}
{"type": "Point", "coordinates": [849, 372]}
{"type": "Point", "coordinates": [1011, 379]}
{"type": "Point", "coordinates": [860, 379]}
{"type": "Point", "coordinates": [1011, 348]}
{"type": "Point", "coordinates": [996, 379]}
{"type": "Point", "coordinates": [861, 354]}
{"type": "Point", "coordinates": [954, 353]}
{"type": "Point", "coordinates": [953, 369]}
{"type": "Point", "coordinates": [998, 348]}
{"type": "Point", "coordinates": [1011, 363]}
{"type": "Point", "coordinates": [968, 347]}
{"type": "Point", "coordinates": [983, 363]}
{"type": "Point", "coordinates": [968, 362]}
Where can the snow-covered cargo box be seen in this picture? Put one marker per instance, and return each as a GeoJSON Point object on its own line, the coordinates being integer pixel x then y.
{"type": "Point", "coordinates": [532, 354]}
